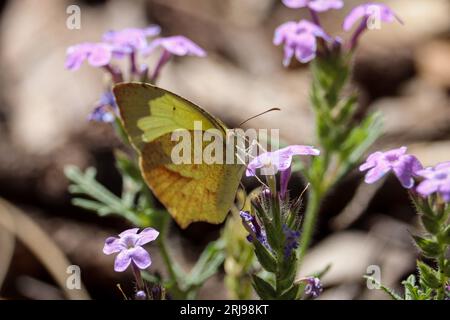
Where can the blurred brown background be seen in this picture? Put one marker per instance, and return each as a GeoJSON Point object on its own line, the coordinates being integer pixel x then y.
{"type": "Point", "coordinates": [404, 71]}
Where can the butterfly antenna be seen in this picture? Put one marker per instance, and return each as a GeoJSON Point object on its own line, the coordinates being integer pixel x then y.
{"type": "Point", "coordinates": [301, 195]}
{"type": "Point", "coordinates": [260, 114]}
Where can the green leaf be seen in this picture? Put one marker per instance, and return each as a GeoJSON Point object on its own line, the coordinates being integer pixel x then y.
{"type": "Point", "coordinates": [264, 289]}
{"type": "Point", "coordinates": [410, 288]}
{"type": "Point", "coordinates": [265, 257]}
{"type": "Point", "coordinates": [208, 263]}
{"type": "Point", "coordinates": [428, 276]}
{"type": "Point", "coordinates": [422, 206]}
{"type": "Point", "coordinates": [430, 224]}
{"type": "Point", "coordinates": [291, 293]}
{"type": "Point", "coordinates": [446, 268]}
{"type": "Point", "coordinates": [446, 235]}
{"type": "Point", "coordinates": [105, 201]}
{"type": "Point", "coordinates": [288, 272]}
{"type": "Point", "coordinates": [127, 167]}
{"type": "Point", "coordinates": [429, 247]}
{"type": "Point", "coordinates": [358, 142]}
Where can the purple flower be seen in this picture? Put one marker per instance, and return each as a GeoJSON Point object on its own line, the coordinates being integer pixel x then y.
{"type": "Point", "coordinates": [299, 38]}
{"type": "Point", "coordinates": [316, 5]}
{"type": "Point", "coordinates": [291, 240]}
{"type": "Point", "coordinates": [97, 55]}
{"type": "Point", "coordinates": [130, 40]}
{"type": "Point", "coordinates": [129, 246]}
{"type": "Point", "coordinates": [436, 180]}
{"type": "Point", "coordinates": [313, 286]}
{"type": "Point", "coordinates": [105, 109]}
{"type": "Point", "coordinates": [375, 12]}
{"type": "Point", "coordinates": [284, 180]}
{"type": "Point", "coordinates": [379, 163]}
{"type": "Point", "coordinates": [279, 160]}
{"type": "Point", "coordinates": [254, 229]}
{"type": "Point", "coordinates": [176, 45]}
{"type": "Point", "coordinates": [140, 295]}
{"type": "Point", "coordinates": [367, 10]}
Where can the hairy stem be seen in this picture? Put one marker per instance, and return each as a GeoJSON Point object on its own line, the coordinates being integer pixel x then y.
{"type": "Point", "coordinates": [312, 211]}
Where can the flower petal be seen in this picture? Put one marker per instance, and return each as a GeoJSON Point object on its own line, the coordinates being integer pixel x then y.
{"type": "Point", "coordinates": [112, 245]}
{"type": "Point", "coordinates": [282, 31]}
{"type": "Point", "coordinates": [177, 45]}
{"type": "Point", "coordinates": [427, 187]}
{"type": "Point", "coordinates": [355, 14]}
{"type": "Point", "coordinates": [129, 231]}
{"type": "Point", "coordinates": [122, 261]}
{"type": "Point", "coordinates": [324, 5]}
{"type": "Point", "coordinates": [376, 173]}
{"type": "Point", "coordinates": [146, 235]}
{"type": "Point", "coordinates": [140, 257]}
{"type": "Point", "coordinates": [371, 161]}
{"type": "Point", "coordinates": [284, 180]}
{"type": "Point", "coordinates": [405, 169]}
{"type": "Point", "coordinates": [256, 163]}
{"type": "Point", "coordinates": [295, 4]}
{"type": "Point", "coordinates": [100, 55]}
{"type": "Point", "coordinates": [305, 50]}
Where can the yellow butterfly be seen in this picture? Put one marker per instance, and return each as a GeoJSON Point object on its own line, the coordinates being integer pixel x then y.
{"type": "Point", "coordinates": [190, 192]}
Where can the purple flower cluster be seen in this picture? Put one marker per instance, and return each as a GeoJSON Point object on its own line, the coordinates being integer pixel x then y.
{"type": "Point", "coordinates": [105, 109]}
{"type": "Point", "coordinates": [130, 43]}
{"type": "Point", "coordinates": [313, 286]}
{"type": "Point", "coordinates": [300, 38]}
{"type": "Point", "coordinates": [404, 166]}
{"type": "Point", "coordinates": [435, 180]}
{"type": "Point", "coordinates": [291, 242]}
{"type": "Point", "coordinates": [254, 229]}
{"type": "Point", "coordinates": [409, 171]}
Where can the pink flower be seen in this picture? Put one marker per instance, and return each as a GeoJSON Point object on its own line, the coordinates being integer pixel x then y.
{"type": "Point", "coordinates": [436, 180]}
{"type": "Point", "coordinates": [316, 5]}
{"type": "Point", "coordinates": [299, 38]}
{"type": "Point", "coordinates": [176, 45]}
{"type": "Point", "coordinates": [367, 10]}
{"type": "Point", "coordinates": [130, 40]}
{"type": "Point", "coordinates": [403, 165]}
{"type": "Point", "coordinates": [279, 160]}
{"type": "Point", "coordinates": [97, 55]}
{"type": "Point", "coordinates": [129, 246]}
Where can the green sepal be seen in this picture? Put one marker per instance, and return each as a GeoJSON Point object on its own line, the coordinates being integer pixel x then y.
{"type": "Point", "coordinates": [428, 247]}
{"type": "Point", "coordinates": [428, 276]}
{"type": "Point", "coordinates": [430, 223]}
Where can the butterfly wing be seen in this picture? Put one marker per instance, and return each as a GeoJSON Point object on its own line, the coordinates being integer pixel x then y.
{"type": "Point", "coordinates": [190, 192]}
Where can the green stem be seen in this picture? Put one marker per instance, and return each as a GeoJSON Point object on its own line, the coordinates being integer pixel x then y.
{"type": "Point", "coordinates": [442, 257]}
{"type": "Point", "coordinates": [312, 211]}
{"type": "Point", "coordinates": [167, 259]}
{"type": "Point", "coordinates": [137, 275]}
{"type": "Point", "coordinates": [443, 278]}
